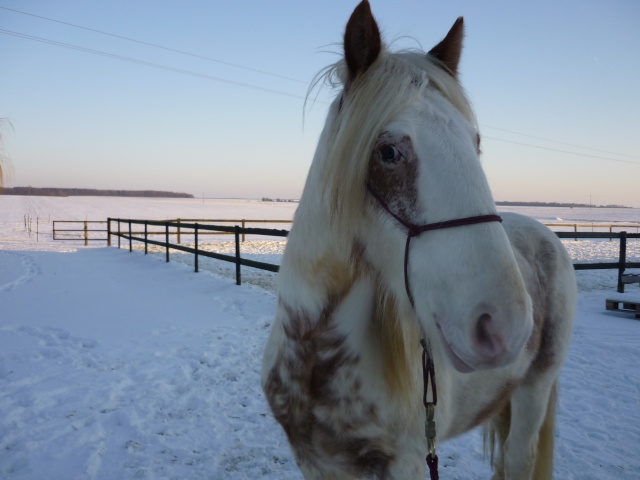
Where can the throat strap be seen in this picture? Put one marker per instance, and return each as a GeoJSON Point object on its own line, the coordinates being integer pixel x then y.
{"type": "Point", "coordinates": [414, 230]}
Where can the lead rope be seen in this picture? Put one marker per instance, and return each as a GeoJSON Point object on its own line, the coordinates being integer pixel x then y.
{"type": "Point", "coordinates": [428, 373]}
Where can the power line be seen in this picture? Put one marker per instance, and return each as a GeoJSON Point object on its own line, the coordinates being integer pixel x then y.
{"type": "Point", "coordinates": [182, 52]}
{"type": "Point", "coordinates": [155, 45]}
{"type": "Point", "coordinates": [560, 143]}
{"type": "Point", "coordinates": [149, 64]}
{"type": "Point", "coordinates": [255, 87]}
{"type": "Point", "coordinates": [562, 151]}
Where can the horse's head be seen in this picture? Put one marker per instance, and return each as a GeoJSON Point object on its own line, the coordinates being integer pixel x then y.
{"type": "Point", "coordinates": [401, 146]}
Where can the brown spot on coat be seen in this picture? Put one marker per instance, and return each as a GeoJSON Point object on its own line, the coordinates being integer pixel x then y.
{"type": "Point", "coordinates": [302, 387]}
{"type": "Point", "coordinates": [396, 184]}
{"type": "Point", "coordinates": [545, 346]}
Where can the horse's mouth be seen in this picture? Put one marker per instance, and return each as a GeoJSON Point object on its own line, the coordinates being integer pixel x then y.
{"type": "Point", "coordinates": [457, 362]}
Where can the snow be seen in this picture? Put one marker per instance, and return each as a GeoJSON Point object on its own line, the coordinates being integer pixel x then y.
{"type": "Point", "coordinates": [117, 365]}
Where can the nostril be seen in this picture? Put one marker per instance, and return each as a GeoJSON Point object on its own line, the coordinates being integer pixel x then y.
{"type": "Point", "coordinates": [482, 329]}
{"type": "Point", "coordinates": [488, 342]}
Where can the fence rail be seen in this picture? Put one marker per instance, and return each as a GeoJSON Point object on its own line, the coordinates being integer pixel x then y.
{"type": "Point", "coordinates": [595, 228]}
{"type": "Point", "coordinates": [243, 223]}
{"type": "Point", "coordinates": [82, 232]}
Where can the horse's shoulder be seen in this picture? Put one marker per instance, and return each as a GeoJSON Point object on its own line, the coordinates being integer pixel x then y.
{"type": "Point", "coordinates": [534, 242]}
{"type": "Point", "coordinates": [548, 273]}
{"type": "Point", "coordinates": [515, 222]}
{"type": "Point", "coordinates": [543, 261]}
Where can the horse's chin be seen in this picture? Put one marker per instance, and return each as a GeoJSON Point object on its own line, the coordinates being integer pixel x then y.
{"type": "Point", "coordinates": [459, 364]}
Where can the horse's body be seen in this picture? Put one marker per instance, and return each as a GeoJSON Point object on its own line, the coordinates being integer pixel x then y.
{"type": "Point", "coordinates": [342, 370]}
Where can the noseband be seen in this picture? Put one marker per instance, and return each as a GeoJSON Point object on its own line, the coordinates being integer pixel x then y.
{"type": "Point", "coordinates": [414, 230]}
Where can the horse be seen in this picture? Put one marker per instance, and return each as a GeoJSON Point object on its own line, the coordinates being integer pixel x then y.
{"type": "Point", "coordinates": [396, 239]}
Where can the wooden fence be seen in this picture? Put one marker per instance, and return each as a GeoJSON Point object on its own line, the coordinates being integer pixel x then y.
{"type": "Point", "coordinates": [621, 265]}
{"type": "Point", "coordinates": [125, 231]}
{"type": "Point", "coordinates": [139, 231]}
{"type": "Point", "coordinates": [82, 233]}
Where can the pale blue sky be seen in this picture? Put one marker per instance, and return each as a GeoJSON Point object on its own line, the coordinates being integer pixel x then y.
{"type": "Point", "coordinates": [567, 71]}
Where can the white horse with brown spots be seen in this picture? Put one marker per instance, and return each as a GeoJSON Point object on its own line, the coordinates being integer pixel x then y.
{"type": "Point", "coordinates": [397, 238]}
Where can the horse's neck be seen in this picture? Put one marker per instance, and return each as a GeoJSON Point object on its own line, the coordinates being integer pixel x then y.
{"type": "Point", "coordinates": [315, 269]}
{"type": "Point", "coordinates": [315, 279]}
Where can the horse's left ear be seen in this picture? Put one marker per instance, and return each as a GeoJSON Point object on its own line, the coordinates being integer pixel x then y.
{"type": "Point", "coordinates": [448, 50]}
{"type": "Point", "coordinates": [362, 43]}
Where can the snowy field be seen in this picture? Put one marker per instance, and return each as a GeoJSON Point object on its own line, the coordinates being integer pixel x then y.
{"type": "Point", "coordinates": [116, 365]}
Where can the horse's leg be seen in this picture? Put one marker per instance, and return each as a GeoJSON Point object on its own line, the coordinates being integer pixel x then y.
{"type": "Point", "coordinates": [496, 433]}
{"type": "Point", "coordinates": [529, 446]}
{"type": "Point", "coordinates": [543, 468]}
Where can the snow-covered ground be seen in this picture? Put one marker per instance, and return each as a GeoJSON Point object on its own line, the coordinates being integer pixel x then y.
{"type": "Point", "coordinates": [117, 365]}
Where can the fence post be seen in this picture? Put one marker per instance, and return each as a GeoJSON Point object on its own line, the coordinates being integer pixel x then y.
{"type": "Point", "coordinates": [622, 259]}
{"type": "Point", "coordinates": [166, 238]}
{"type": "Point", "coordinates": [178, 220]}
{"type": "Point", "coordinates": [610, 232]}
{"type": "Point", "coordinates": [108, 232]}
{"type": "Point", "coordinates": [130, 246]}
{"type": "Point", "coordinates": [119, 233]}
{"type": "Point", "coordinates": [575, 230]}
{"type": "Point", "coordinates": [86, 234]}
{"type": "Point", "coordinates": [237, 235]}
{"type": "Point", "coordinates": [195, 231]}
{"type": "Point", "coordinates": [145, 238]}
{"type": "Point", "coordinates": [243, 235]}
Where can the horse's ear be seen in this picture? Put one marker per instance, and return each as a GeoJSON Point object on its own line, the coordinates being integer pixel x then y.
{"type": "Point", "coordinates": [362, 43]}
{"type": "Point", "coordinates": [448, 50]}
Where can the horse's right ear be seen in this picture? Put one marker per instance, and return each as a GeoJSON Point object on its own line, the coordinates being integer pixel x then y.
{"type": "Point", "coordinates": [448, 50]}
{"type": "Point", "coordinates": [362, 43]}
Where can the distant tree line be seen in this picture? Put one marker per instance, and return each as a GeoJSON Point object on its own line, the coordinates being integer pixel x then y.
{"type": "Point", "coordinates": [555, 204]}
{"type": "Point", "coordinates": [286, 200]}
{"type": "Point", "coordinates": [89, 192]}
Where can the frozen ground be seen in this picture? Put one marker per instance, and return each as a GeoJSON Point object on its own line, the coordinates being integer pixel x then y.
{"type": "Point", "coordinates": [116, 365]}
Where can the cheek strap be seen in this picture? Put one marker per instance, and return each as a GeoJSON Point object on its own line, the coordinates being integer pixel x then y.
{"type": "Point", "coordinates": [414, 230]}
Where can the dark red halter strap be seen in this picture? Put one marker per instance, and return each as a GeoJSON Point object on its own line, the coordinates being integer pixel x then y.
{"type": "Point", "coordinates": [414, 230]}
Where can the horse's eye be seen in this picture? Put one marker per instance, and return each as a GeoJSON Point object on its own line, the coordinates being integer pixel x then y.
{"type": "Point", "coordinates": [388, 154]}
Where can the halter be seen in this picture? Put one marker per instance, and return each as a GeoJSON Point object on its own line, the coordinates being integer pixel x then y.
{"type": "Point", "coordinates": [414, 230]}
{"type": "Point", "coordinates": [428, 369]}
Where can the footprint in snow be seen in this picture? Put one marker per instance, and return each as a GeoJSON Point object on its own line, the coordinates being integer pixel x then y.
{"type": "Point", "coordinates": [31, 270]}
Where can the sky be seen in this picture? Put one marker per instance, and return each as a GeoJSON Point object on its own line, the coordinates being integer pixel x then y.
{"type": "Point", "coordinates": [554, 85]}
